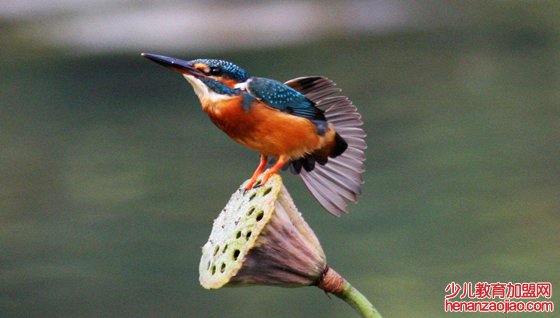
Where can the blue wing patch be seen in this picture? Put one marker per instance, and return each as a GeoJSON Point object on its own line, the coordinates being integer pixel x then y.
{"type": "Point", "coordinates": [284, 98]}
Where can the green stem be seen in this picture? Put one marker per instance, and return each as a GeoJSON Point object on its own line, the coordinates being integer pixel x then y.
{"type": "Point", "coordinates": [358, 301]}
{"type": "Point", "coordinates": [332, 282]}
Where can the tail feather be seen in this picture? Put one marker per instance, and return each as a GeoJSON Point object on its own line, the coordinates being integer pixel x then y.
{"type": "Point", "coordinates": [295, 166]}
{"type": "Point", "coordinates": [340, 145]}
{"type": "Point", "coordinates": [340, 179]}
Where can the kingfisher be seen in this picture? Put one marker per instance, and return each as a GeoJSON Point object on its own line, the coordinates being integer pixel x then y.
{"type": "Point", "coordinates": [303, 125]}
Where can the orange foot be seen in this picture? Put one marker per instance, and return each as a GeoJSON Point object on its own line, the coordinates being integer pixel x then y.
{"type": "Point", "coordinates": [257, 173]}
{"type": "Point", "coordinates": [274, 169]}
{"type": "Point", "coordinates": [267, 174]}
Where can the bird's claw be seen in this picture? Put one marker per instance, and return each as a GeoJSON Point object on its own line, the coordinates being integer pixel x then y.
{"type": "Point", "coordinates": [252, 185]}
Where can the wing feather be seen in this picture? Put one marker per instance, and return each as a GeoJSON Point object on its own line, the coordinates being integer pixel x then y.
{"type": "Point", "coordinates": [284, 98]}
{"type": "Point", "coordinates": [341, 178]}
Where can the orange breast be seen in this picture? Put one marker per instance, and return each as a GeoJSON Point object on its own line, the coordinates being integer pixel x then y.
{"type": "Point", "coordinates": [266, 130]}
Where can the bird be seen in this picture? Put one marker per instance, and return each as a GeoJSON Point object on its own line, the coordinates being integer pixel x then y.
{"type": "Point", "coordinates": [303, 125]}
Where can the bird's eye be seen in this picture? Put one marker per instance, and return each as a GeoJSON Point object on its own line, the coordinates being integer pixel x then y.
{"type": "Point", "coordinates": [215, 70]}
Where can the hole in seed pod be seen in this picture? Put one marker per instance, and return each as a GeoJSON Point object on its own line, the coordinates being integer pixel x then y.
{"type": "Point", "coordinates": [248, 235]}
{"type": "Point", "coordinates": [267, 191]}
{"type": "Point", "coordinates": [260, 215]}
{"type": "Point", "coordinates": [208, 266]}
{"type": "Point", "coordinates": [258, 183]}
{"type": "Point", "coordinates": [213, 269]}
{"type": "Point", "coordinates": [216, 249]}
{"type": "Point", "coordinates": [238, 234]}
{"type": "Point", "coordinates": [252, 196]}
{"type": "Point", "coordinates": [251, 210]}
{"type": "Point", "coordinates": [223, 268]}
{"type": "Point", "coordinates": [236, 254]}
{"type": "Point", "coordinates": [225, 248]}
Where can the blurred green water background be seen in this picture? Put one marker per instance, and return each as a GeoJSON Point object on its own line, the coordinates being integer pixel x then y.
{"type": "Point", "coordinates": [110, 175]}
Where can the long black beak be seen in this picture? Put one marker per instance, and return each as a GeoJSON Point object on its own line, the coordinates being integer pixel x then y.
{"type": "Point", "coordinates": [177, 65]}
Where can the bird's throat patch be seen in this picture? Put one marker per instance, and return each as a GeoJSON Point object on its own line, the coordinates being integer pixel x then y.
{"type": "Point", "coordinates": [210, 92]}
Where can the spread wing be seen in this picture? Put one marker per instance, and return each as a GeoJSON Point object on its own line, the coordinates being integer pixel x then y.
{"type": "Point", "coordinates": [284, 98]}
{"type": "Point", "coordinates": [341, 178]}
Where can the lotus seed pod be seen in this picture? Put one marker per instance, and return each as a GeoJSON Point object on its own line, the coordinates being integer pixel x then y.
{"type": "Point", "coordinates": [261, 238]}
